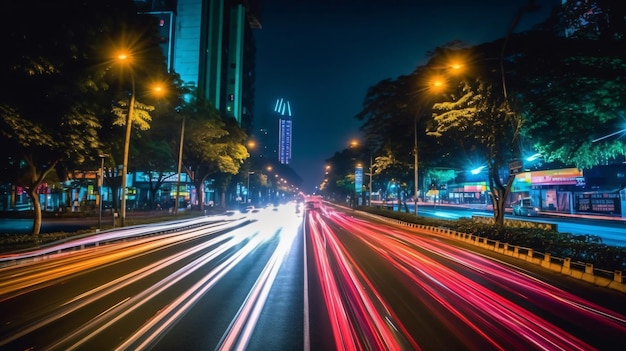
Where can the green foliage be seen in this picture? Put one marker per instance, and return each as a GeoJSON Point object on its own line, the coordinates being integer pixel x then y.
{"type": "Point", "coordinates": [476, 112]}
{"type": "Point", "coordinates": [141, 118]}
{"type": "Point", "coordinates": [53, 91]}
{"type": "Point", "coordinates": [439, 176]}
{"type": "Point", "coordinates": [393, 111]}
{"type": "Point", "coordinates": [572, 95]}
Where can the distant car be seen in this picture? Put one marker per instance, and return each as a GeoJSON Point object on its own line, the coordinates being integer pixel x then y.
{"type": "Point", "coordinates": [313, 202]}
{"type": "Point", "coordinates": [248, 209]}
{"type": "Point", "coordinates": [251, 209]}
{"type": "Point", "coordinates": [312, 205]}
{"type": "Point", "coordinates": [524, 207]}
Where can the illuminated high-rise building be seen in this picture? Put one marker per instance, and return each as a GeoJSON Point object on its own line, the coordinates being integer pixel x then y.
{"type": "Point", "coordinates": [209, 44]}
{"type": "Point", "coordinates": [285, 130]}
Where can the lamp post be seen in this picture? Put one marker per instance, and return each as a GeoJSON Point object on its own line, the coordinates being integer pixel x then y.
{"type": "Point", "coordinates": [369, 203]}
{"type": "Point", "coordinates": [248, 187]}
{"type": "Point", "coordinates": [268, 185]}
{"type": "Point", "coordinates": [101, 181]}
{"type": "Point", "coordinates": [415, 159]}
{"type": "Point", "coordinates": [435, 84]}
{"type": "Point", "coordinates": [129, 120]}
{"type": "Point", "coordinates": [180, 164]}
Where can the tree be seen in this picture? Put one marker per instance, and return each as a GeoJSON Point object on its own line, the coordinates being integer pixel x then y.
{"type": "Point", "coordinates": [53, 83]}
{"type": "Point", "coordinates": [477, 110]}
{"type": "Point", "coordinates": [156, 151]}
{"type": "Point", "coordinates": [46, 92]}
{"type": "Point", "coordinates": [395, 111]}
{"type": "Point", "coordinates": [571, 93]}
{"type": "Point", "coordinates": [213, 144]}
{"type": "Point", "coordinates": [393, 172]}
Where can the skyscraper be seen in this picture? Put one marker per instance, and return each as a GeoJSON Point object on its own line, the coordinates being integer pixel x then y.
{"type": "Point", "coordinates": [209, 44]}
{"type": "Point", "coordinates": [285, 126]}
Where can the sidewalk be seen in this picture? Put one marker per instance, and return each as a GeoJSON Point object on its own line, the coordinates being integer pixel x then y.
{"type": "Point", "coordinates": [487, 207]}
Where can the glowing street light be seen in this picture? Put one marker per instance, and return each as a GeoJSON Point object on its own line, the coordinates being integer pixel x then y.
{"type": "Point", "coordinates": [623, 131]}
{"type": "Point", "coordinates": [124, 57]}
{"type": "Point", "coordinates": [248, 187]}
{"type": "Point", "coordinates": [180, 164]}
{"type": "Point", "coordinates": [436, 84]}
{"type": "Point", "coordinates": [533, 157]}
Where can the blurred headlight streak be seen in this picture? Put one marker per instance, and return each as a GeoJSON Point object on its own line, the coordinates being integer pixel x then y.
{"type": "Point", "coordinates": [360, 319]}
{"type": "Point", "coordinates": [482, 307]}
{"type": "Point", "coordinates": [242, 327]}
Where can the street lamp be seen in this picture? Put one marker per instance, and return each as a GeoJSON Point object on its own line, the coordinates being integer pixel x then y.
{"type": "Point", "coordinates": [370, 183]}
{"type": "Point", "coordinates": [124, 57]}
{"type": "Point", "coordinates": [180, 164]}
{"type": "Point", "coordinates": [436, 84]}
{"type": "Point", "coordinates": [415, 159]}
{"type": "Point", "coordinates": [248, 187]}
{"type": "Point", "coordinates": [101, 185]}
{"type": "Point", "coordinates": [131, 110]}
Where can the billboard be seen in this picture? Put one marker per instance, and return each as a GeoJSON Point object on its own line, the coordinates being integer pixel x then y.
{"type": "Point", "coordinates": [358, 179]}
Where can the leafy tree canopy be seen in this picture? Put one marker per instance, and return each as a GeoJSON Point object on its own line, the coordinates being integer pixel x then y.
{"type": "Point", "coordinates": [53, 77]}
{"type": "Point", "coordinates": [572, 95]}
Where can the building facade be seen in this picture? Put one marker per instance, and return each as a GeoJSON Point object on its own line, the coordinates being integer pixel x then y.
{"type": "Point", "coordinates": [209, 43]}
{"type": "Point", "coordinates": [285, 130]}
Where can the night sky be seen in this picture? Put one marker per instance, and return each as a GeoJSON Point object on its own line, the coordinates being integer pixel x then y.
{"type": "Point", "coordinates": [323, 55]}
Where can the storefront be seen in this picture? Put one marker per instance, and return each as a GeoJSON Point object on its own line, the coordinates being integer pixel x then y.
{"type": "Point", "coordinates": [468, 193]}
{"type": "Point", "coordinates": [607, 203]}
{"type": "Point", "coordinates": [550, 190]}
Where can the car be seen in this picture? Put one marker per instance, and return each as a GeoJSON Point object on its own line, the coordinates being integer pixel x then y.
{"type": "Point", "coordinates": [249, 209]}
{"type": "Point", "coordinates": [313, 202]}
{"type": "Point", "coordinates": [525, 207]}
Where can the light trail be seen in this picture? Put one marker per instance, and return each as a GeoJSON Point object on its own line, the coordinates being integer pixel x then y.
{"type": "Point", "coordinates": [101, 291]}
{"type": "Point", "coordinates": [105, 320]}
{"type": "Point", "coordinates": [166, 300]}
{"type": "Point", "coordinates": [350, 293]}
{"type": "Point", "coordinates": [345, 339]}
{"type": "Point", "coordinates": [161, 322]}
{"type": "Point", "coordinates": [17, 280]}
{"type": "Point", "coordinates": [242, 327]}
{"type": "Point", "coordinates": [494, 317]}
{"type": "Point", "coordinates": [226, 247]}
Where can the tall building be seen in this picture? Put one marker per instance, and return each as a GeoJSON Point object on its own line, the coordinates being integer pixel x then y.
{"type": "Point", "coordinates": [285, 130]}
{"type": "Point", "coordinates": [209, 44]}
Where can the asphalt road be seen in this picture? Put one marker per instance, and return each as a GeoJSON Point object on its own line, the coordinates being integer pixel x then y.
{"type": "Point", "coordinates": [423, 291]}
{"type": "Point", "coordinates": [200, 288]}
{"type": "Point", "coordinates": [275, 280]}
